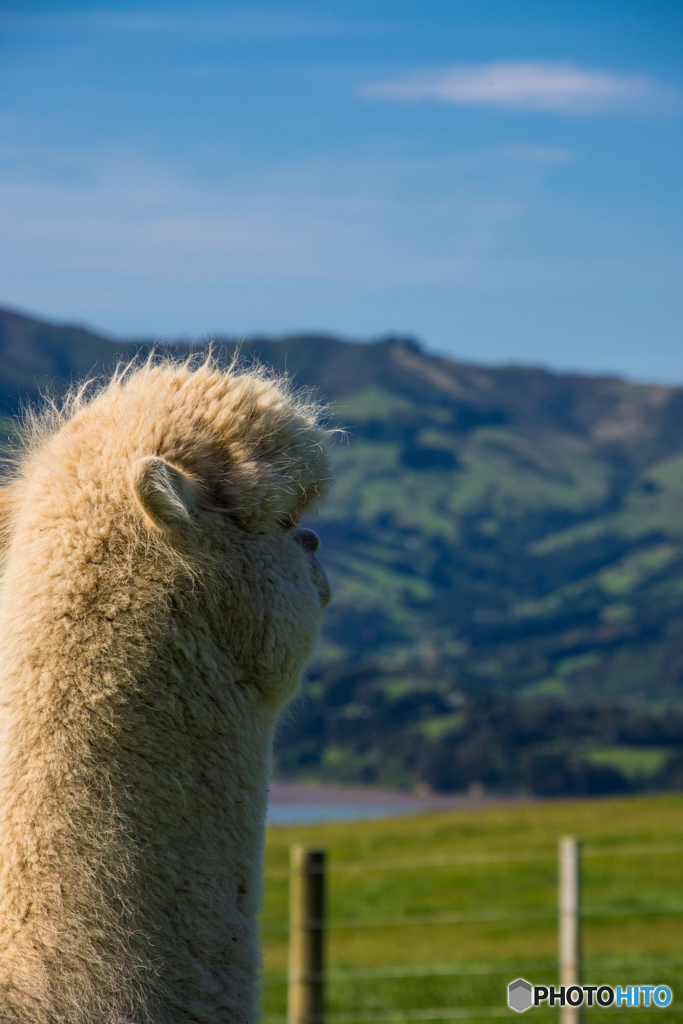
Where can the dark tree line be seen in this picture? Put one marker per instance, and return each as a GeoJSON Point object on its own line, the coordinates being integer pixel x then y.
{"type": "Point", "coordinates": [357, 726]}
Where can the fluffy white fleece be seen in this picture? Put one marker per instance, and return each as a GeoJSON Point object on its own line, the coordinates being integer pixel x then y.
{"type": "Point", "coordinates": [157, 606]}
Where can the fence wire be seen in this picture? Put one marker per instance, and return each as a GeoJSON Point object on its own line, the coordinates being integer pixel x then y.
{"type": "Point", "coordinates": [490, 968]}
{"type": "Point", "coordinates": [448, 861]}
{"type": "Point", "coordinates": [338, 974]}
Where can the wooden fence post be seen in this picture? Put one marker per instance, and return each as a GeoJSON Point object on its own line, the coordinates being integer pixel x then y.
{"type": "Point", "coordinates": [569, 863]}
{"type": "Point", "coordinates": [306, 986]}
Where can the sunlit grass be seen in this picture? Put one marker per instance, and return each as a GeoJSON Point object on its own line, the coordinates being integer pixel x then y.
{"type": "Point", "coordinates": [472, 961]}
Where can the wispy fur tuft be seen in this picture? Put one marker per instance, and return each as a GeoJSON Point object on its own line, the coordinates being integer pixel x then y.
{"type": "Point", "coordinates": [263, 420]}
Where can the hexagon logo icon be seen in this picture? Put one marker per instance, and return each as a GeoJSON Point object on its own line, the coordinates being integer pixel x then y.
{"type": "Point", "coordinates": [519, 995]}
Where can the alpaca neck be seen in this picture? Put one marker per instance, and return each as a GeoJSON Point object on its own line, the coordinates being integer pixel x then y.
{"type": "Point", "coordinates": [131, 841]}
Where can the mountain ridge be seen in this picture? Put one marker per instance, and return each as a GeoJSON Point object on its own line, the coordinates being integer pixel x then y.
{"type": "Point", "coordinates": [506, 548]}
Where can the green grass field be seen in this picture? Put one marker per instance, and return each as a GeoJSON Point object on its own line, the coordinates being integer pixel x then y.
{"type": "Point", "coordinates": [438, 913]}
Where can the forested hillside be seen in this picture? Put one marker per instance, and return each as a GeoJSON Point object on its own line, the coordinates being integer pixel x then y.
{"type": "Point", "coordinates": [506, 550]}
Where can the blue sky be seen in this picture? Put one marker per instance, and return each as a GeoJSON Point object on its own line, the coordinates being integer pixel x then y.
{"type": "Point", "coordinates": [500, 179]}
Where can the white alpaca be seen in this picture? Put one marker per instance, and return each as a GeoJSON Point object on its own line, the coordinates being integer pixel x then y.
{"type": "Point", "coordinates": [157, 605]}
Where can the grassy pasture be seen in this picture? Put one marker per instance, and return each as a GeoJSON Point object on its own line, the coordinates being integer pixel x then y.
{"type": "Point", "coordinates": [439, 912]}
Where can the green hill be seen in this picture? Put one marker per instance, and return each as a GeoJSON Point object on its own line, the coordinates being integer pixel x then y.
{"type": "Point", "coordinates": [506, 550]}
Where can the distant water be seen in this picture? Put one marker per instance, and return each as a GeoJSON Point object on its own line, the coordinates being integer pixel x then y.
{"type": "Point", "coordinates": [310, 814]}
{"type": "Point", "coordinates": [293, 804]}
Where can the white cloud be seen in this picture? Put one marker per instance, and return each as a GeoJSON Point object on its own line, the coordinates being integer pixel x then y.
{"type": "Point", "coordinates": [319, 221]}
{"type": "Point", "coordinates": [124, 240]}
{"type": "Point", "coordinates": [358, 246]}
{"type": "Point", "coordinates": [523, 85]}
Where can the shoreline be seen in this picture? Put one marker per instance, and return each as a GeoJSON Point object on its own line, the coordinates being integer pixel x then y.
{"type": "Point", "coordinates": [292, 803]}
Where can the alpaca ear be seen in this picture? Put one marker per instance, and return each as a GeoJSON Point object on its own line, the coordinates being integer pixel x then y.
{"type": "Point", "coordinates": [168, 496]}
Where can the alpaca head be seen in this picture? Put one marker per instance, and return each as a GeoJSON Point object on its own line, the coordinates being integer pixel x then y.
{"type": "Point", "coordinates": [180, 483]}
